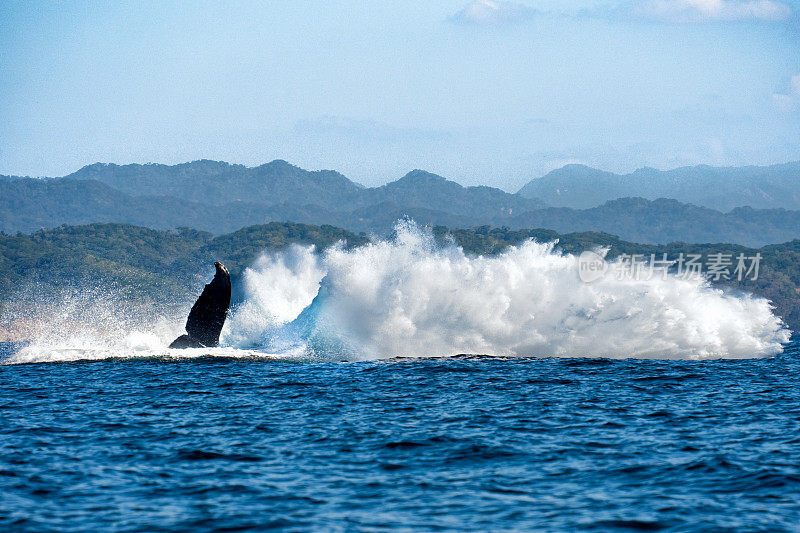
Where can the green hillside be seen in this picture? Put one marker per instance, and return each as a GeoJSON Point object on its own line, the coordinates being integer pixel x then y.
{"type": "Point", "coordinates": [168, 268]}
{"type": "Point", "coordinates": [220, 198]}
{"type": "Point", "coordinates": [720, 188]}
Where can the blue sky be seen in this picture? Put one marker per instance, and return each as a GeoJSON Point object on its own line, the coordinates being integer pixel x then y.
{"type": "Point", "coordinates": [483, 92]}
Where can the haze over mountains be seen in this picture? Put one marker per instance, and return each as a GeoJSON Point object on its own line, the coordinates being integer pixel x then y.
{"type": "Point", "coordinates": [723, 189]}
{"type": "Point", "coordinates": [220, 197]}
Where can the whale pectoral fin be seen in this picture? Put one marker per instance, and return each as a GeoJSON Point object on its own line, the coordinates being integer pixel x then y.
{"type": "Point", "coordinates": [208, 313]}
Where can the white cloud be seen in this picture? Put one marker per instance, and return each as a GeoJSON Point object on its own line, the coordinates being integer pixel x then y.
{"type": "Point", "coordinates": [492, 12]}
{"type": "Point", "coordinates": [713, 10]}
{"type": "Point", "coordinates": [790, 100]}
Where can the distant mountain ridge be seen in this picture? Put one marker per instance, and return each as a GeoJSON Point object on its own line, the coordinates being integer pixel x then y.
{"type": "Point", "coordinates": [216, 182]}
{"type": "Point", "coordinates": [720, 188]}
{"type": "Point", "coordinates": [663, 221]}
{"type": "Point", "coordinates": [278, 182]}
{"type": "Point", "coordinates": [219, 197]}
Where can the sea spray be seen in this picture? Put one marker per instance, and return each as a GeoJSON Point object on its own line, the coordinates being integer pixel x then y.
{"type": "Point", "coordinates": [411, 297]}
{"type": "Point", "coordinates": [277, 287]}
{"type": "Point", "coordinates": [83, 323]}
{"type": "Point", "coordinates": [100, 322]}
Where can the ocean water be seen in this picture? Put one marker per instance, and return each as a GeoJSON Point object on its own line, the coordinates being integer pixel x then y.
{"type": "Point", "coordinates": [422, 444]}
{"type": "Point", "coordinates": [623, 404]}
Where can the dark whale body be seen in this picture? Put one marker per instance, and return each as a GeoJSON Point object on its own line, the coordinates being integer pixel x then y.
{"type": "Point", "coordinates": [208, 313]}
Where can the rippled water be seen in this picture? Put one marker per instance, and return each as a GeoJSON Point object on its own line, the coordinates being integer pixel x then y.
{"type": "Point", "coordinates": [437, 444]}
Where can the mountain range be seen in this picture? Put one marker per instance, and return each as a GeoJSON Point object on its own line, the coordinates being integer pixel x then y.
{"type": "Point", "coordinates": [278, 182]}
{"type": "Point", "coordinates": [219, 197]}
{"type": "Point", "coordinates": [720, 188]}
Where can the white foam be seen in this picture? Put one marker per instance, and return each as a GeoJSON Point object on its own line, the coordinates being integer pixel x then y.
{"type": "Point", "coordinates": [278, 287]}
{"type": "Point", "coordinates": [408, 297]}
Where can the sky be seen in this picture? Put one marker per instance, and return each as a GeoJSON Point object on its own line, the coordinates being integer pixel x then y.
{"type": "Point", "coordinates": [481, 92]}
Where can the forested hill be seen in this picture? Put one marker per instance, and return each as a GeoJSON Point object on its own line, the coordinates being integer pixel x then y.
{"type": "Point", "coordinates": [220, 198]}
{"type": "Point", "coordinates": [168, 268]}
{"type": "Point", "coordinates": [218, 183]}
{"type": "Point", "coordinates": [278, 182]}
{"type": "Point", "coordinates": [723, 189]}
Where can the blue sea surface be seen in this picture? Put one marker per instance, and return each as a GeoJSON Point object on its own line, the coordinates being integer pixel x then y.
{"type": "Point", "coordinates": [215, 444]}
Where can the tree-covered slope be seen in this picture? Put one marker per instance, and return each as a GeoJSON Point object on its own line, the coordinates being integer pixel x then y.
{"type": "Point", "coordinates": [217, 183]}
{"type": "Point", "coordinates": [220, 198]}
{"type": "Point", "coordinates": [663, 221]}
{"type": "Point", "coordinates": [723, 189]}
{"type": "Point", "coordinates": [168, 268]}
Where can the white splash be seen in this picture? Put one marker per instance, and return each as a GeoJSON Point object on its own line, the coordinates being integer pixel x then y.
{"type": "Point", "coordinates": [278, 287]}
{"type": "Point", "coordinates": [94, 324]}
{"type": "Point", "coordinates": [87, 323]}
{"type": "Point", "coordinates": [409, 297]}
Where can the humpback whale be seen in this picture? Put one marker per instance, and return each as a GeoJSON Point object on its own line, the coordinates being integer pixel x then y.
{"type": "Point", "coordinates": [208, 313]}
